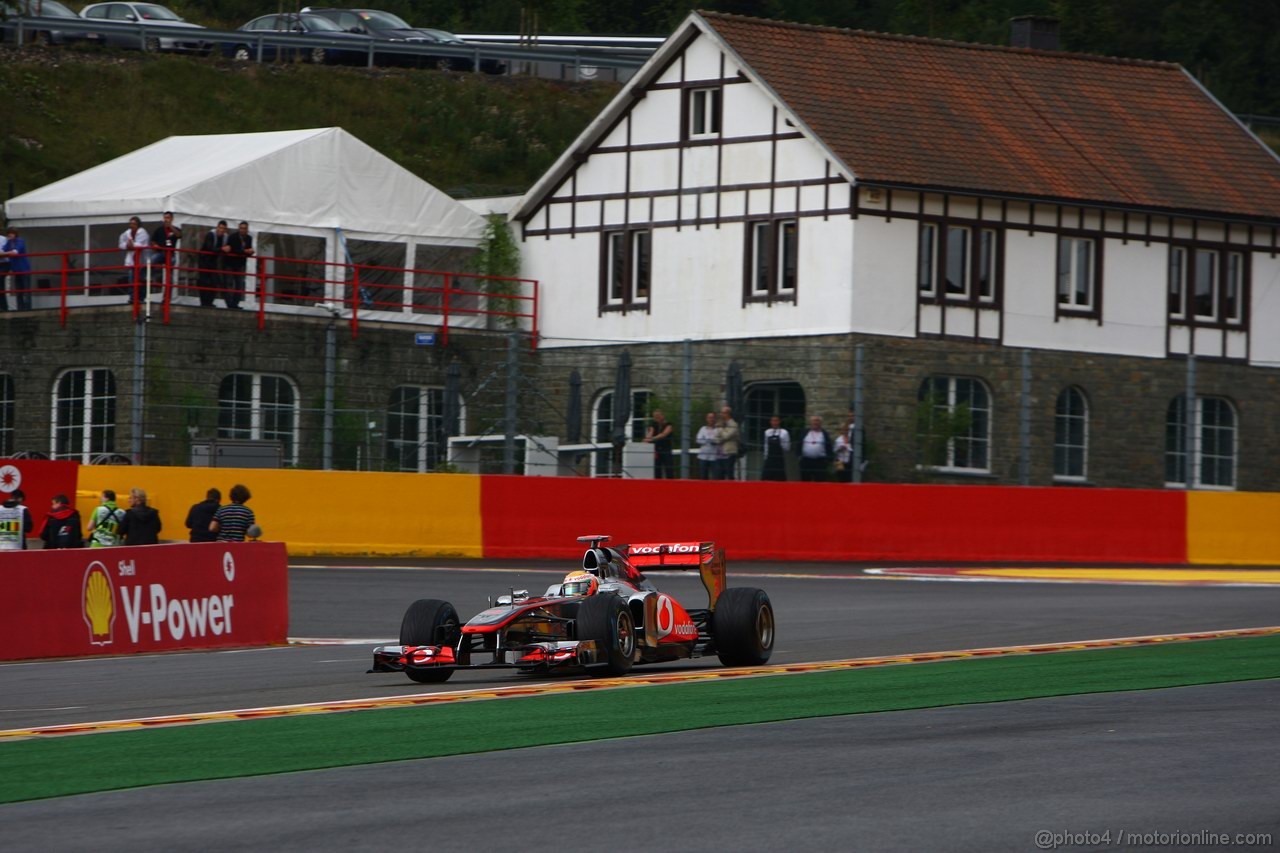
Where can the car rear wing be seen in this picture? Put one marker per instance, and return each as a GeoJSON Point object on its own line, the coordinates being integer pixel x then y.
{"type": "Point", "coordinates": [703, 556]}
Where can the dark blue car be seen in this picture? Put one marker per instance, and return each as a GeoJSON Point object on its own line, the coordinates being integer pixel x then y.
{"type": "Point", "coordinates": [343, 48]}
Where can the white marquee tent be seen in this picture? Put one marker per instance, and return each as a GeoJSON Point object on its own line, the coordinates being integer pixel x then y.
{"type": "Point", "coordinates": [317, 195]}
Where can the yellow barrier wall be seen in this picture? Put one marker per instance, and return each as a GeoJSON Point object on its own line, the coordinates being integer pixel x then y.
{"type": "Point", "coordinates": [314, 512]}
{"type": "Point", "coordinates": [1233, 527]}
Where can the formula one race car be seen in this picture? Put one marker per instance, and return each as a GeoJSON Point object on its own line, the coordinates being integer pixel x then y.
{"type": "Point", "coordinates": [602, 619]}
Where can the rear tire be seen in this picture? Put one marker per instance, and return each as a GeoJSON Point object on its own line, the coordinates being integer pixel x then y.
{"type": "Point", "coordinates": [316, 56]}
{"type": "Point", "coordinates": [429, 622]}
{"type": "Point", "coordinates": [605, 618]}
{"type": "Point", "coordinates": [743, 627]}
{"type": "Point", "coordinates": [241, 54]}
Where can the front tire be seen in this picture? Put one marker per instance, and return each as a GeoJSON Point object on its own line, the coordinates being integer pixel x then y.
{"type": "Point", "coordinates": [743, 626]}
{"type": "Point", "coordinates": [316, 56]}
{"type": "Point", "coordinates": [151, 45]}
{"type": "Point", "coordinates": [241, 54]}
{"type": "Point", "coordinates": [429, 622]}
{"type": "Point", "coordinates": [606, 619]}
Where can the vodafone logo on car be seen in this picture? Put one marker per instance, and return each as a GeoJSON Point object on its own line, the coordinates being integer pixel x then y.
{"type": "Point", "coordinates": [674, 548]}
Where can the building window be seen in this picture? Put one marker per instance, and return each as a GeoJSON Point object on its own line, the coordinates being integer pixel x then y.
{"type": "Point", "coordinates": [1214, 448]}
{"type": "Point", "coordinates": [704, 110]}
{"type": "Point", "coordinates": [415, 429]}
{"type": "Point", "coordinates": [603, 464]}
{"type": "Point", "coordinates": [1078, 274]}
{"type": "Point", "coordinates": [1070, 435]}
{"type": "Point", "coordinates": [773, 253]}
{"type": "Point", "coordinates": [964, 265]}
{"type": "Point", "coordinates": [84, 414]}
{"type": "Point", "coordinates": [954, 424]}
{"type": "Point", "coordinates": [625, 269]}
{"type": "Point", "coordinates": [7, 408]}
{"type": "Point", "coordinates": [1208, 283]}
{"type": "Point", "coordinates": [260, 407]}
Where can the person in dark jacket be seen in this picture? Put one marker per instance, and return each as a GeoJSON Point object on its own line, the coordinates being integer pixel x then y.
{"type": "Point", "coordinates": [816, 450]}
{"type": "Point", "coordinates": [62, 525]}
{"type": "Point", "coordinates": [239, 251]}
{"type": "Point", "coordinates": [141, 524]}
{"type": "Point", "coordinates": [199, 516]}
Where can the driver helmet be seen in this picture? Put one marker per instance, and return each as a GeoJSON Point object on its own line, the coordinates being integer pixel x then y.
{"type": "Point", "coordinates": [580, 583]}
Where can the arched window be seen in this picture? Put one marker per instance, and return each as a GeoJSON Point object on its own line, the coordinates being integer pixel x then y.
{"type": "Point", "coordinates": [1071, 435]}
{"type": "Point", "coordinates": [6, 415]}
{"type": "Point", "coordinates": [953, 424]}
{"type": "Point", "coordinates": [602, 428]}
{"type": "Point", "coordinates": [1214, 443]}
{"type": "Point", "coordinates": [260, 407]}
{"type": "Point", "coordinates": [415, 429]}
{"type": "Point", "coordinates": [84, 413]}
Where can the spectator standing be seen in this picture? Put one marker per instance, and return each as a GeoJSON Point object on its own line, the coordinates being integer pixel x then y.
{"type": "Point", "coordinates": [239, 251]}
{"type": "Point", "coordinates": [777, 444]}
{"type": "Point", "coordinates": [104, 526]}
{"type": "Point", "coordinates": [4, 272]}
{"type": "Point", "coordinates": [15, 522]}
{"type": "Point", "coordinates": [708, 441]}
{"type": "Point", "coordinates": [213, 253]}
{"type": "Point", "coordinates": [15, 251]}
{"type": "Point", "coordinates": [141, 523]}
{"type": "Point", "coordinates": [231, 522]}
{"type": "Point", "coordinates": [844, 450]}
{"type": "Point", "coordinates": [729, 443]}
{"type": "Point", "coordinates": [659, 435]}
{"type": "Point", "coordinates": [201, 514]}
{"type": "Point", "coordinates": [816, 452]}
{"type": "Point", "coordinates": [62, 525]}
{"type": "Point", "coordinates": [132, 240]}
{"type": "Point", "coordinates": [164, 242]}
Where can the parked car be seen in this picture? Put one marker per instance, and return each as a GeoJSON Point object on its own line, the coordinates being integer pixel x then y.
{"type": "Point", "coordinates": [155, 19]}
{"type": "Point", "coordinates": [387, 27]}
{"type": "Point", "coordinates": [346, 48]}
{"type": "Point", "coordinates": [40, 22]}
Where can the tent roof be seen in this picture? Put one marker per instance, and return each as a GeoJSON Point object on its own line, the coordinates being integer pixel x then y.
{"type": "Point", "coordinates": [318, 178]}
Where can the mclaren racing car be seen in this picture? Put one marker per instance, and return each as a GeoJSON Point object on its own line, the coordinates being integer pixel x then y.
{"type": "Point", "coordinates": [604, 618]}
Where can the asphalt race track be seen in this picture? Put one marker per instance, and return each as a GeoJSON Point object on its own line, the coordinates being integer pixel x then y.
{"type": "Point", "coordinates": [974, 777]}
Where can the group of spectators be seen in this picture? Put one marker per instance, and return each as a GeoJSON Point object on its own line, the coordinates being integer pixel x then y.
{"type": "Point", "coordinates": [209, 521]}
{"type": "Point", "coordinates": [222, 261]}
{"type": "Point", "coordinates": [820, 457]}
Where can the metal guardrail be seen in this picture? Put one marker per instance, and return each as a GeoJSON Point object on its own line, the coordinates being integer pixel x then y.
{"type": "Point", "coordinates": [577, 56]}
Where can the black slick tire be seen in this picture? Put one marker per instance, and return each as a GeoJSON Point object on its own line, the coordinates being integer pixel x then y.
{"type": "Point", "coordinates": [743, 627]}
{"type": "Point", "coordinates": [606, 619]}
{"type": "Point", "coordinates": [429, 622]}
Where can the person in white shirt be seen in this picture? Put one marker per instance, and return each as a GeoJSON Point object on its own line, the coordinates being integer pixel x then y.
{"type": "Point", "coordinates": [816, 451]}
{"type": "Point", "coordinates": [777, 444]}
{"type": "Point", "coordinates": [132, 240]}
{"type": "Point", "coordinates": [708, 447]}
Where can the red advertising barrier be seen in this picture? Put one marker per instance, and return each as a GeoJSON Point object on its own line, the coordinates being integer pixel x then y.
{"type": "Point", "coordinates": [542, 517]}
{"type": "Point", "coordinates": [39, 480]}
{"type": "Point", "coordinates": [149, 598]}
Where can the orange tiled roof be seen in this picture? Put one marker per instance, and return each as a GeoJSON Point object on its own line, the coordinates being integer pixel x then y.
{"type": "Point", "coordinates": [909, 110]}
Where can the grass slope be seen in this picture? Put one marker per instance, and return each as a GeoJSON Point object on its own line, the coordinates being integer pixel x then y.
{"type": "Point", "coordinates": [468, 134]}
{"type": "Point", "coordinates": [48, 768]}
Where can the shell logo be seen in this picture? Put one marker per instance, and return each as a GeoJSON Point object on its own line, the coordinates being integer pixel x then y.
{"type": "Point", "coordinates": [98, 602]}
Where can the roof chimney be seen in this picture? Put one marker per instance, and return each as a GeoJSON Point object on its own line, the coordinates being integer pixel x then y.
{"type": "Point", "coordinates": [1035, 31]}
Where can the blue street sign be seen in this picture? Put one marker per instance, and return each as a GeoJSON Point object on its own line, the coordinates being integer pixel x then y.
{"type": "Point", "coordinates": [425, 339]}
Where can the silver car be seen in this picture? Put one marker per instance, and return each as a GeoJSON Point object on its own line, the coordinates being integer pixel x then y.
{"type": "Point", "coordinates": [157, 21]}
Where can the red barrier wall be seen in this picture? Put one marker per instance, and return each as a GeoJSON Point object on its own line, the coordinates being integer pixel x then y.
{"type": "Point", "coordinates": [113, 601]}
{"type": "Point", "coordinates": [39, 480]}
{"type": "Point", "coordinates": [542, 517]}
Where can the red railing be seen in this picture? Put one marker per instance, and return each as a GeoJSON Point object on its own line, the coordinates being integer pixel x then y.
{"type": "Point", "coordinates": [280, 284]}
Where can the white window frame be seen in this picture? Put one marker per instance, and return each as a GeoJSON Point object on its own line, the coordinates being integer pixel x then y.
{"type": "Point", "coordinates": [257, 431]}
{"type": "Point", "coordinates": [1205, 260]}
{"type": "Point", "coordinates": [953, 384]}
{"type": "Point", "coordinates": [1177, 294]}
{"type": "Point", "coordinates": [1233, 296]}
{"type": "Point", "coordinates": [628, 268]}
{"type": "Point", "coordinates": [87, 425]}
{"type": "Point", "coordinates": [602, 427]}
{"type": "Point", "coordinates": [1205, 427]}
{"type": "Point", "coordinates": [706, 108]}
{"type": "Point", "coordinates": [1070, 267]}
{"type": "Point", "coordinates": [1062, 443]}
{"type": "Point", "coordinates": [775, 258]}
{"type": "Point", "coordinates": [979, 261]}
{"type": "Point", "coordinates": [428, 418]}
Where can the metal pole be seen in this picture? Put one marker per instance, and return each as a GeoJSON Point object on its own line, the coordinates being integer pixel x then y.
{"type": "Point", "coordinates": [686, 409]}
{"type": "Point", "coordinates": [1189, 424]}
{"type": "Point", "coordinates": [139, 388]}
{"type": "Point", "coordinates": [330, 376]}
{"type": "Point", "coordinates": [513, 381]}
{"type": "Point", "coordinates": [1024, 423]}
{"type": "Point", "coordinates": [857, 414]}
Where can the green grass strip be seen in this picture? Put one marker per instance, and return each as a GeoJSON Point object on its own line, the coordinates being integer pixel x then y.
{"type": "Point", "coordinates": [35, 769]}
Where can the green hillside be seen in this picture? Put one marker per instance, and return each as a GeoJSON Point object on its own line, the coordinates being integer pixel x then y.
{"type": "Point", "coordinates": [468, 134]}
